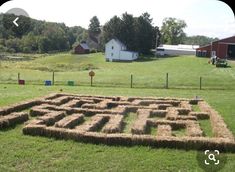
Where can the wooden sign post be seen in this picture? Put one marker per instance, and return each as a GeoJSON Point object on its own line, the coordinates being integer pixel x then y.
{"type": "Point", "coordinates": [91, 74]}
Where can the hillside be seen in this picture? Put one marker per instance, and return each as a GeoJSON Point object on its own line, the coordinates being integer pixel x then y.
{"type": "Point", "coordinates": [37, 36]}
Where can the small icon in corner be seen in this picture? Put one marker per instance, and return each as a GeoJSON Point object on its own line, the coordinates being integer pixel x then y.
{"type": "Point", "coordinates": [211, 157]}
{"type": "Point", "coordinates": [17, 18]}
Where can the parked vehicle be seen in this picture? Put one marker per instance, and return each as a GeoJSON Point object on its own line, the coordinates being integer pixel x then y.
{"type": "Point", "coordinates": [221, 63]}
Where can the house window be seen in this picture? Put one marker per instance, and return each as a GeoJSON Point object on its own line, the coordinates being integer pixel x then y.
{"type": "Point", "coordinates": [112, 47]}
{"type": "Point", "coordinates": [112, 54]}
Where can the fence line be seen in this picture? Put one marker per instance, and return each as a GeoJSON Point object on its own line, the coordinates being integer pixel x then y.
{"type": "Point", "coordinates": [133, 81]}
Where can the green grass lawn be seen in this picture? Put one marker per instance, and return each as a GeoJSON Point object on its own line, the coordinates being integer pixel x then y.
{"type": "Point", "coordinates": [184, 71]}
{"type": "Point", "coordinates": [27, 153]}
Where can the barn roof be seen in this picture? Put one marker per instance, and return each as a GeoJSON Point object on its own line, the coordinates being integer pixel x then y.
{"type": "Point", "coordinates": [84, 46]}
{"type": "Point", "coordinates": [224, 39]}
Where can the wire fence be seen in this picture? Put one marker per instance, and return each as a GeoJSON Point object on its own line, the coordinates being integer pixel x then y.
{"type": "Point", "coordinates": [165, 80]}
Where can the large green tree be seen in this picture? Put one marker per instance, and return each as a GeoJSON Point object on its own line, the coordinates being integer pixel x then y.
{"type": "Point", "coordinates": [94, 26]}
{"type": "Point", "coordinates": [112, 29]}
{"type": "Point", "coordinates": [137, 33]}
{"type": "Point", "coordinates": [127, 31]}
{"type": "Point", "coordinates": [172, 31]}
{"type": "Point", "coordinates": [199, 40]}
{"type": "Point", "coordinates": [146, 33]}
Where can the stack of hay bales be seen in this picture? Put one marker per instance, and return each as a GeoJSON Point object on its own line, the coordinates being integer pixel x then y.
{"type": "Point", "coordinates": [218, 125]}
{"type": "Point", "coordinates": [73, 103]}
{"type": "Point", "coordinates": [37, 111]}
{"type": "Point", "coordinates": [70, 121]}
{"type": "Point", "coordinates": [140, 125]}
{"type": "Point", "coordinates": [183, 111]}
{"type": "Point", "coordinates": [114, 124]}
{"type": "Point", "coordinates": [186, 105]}
{"type": "Point", "coordinates": [193, 129]}
{"type": "Point", "coordinates": [164, 106]}
{"type": "Point", "coordinates": [13, 119]}
{"type": "Point", "coordinates": [172, 113]}
{"type": "Point", "coordinates": [60, 100]}
{"type": "Point", "coordinates": [200, 115]}
{"type": "Point", "coordinates": [94, 123]}
{"type": "Point", "coordinates": [52, 117]}
{"type": "Point", "coordinates": [59, 116]}
{"type": "Point", "coordinates": [158, 113]}
{"type": "Point", "coordinates": [164, 130]}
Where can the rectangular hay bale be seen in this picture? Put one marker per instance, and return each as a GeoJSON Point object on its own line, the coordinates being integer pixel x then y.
{"type": "Point", "coordinates": [70, 121]}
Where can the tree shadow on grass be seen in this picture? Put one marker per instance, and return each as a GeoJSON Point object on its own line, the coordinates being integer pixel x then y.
{"type": "Point", "coordinates": [147, 58]}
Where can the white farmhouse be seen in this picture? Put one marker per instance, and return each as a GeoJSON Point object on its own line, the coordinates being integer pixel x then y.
{"type": "Point", "coordinates": [115, 50]}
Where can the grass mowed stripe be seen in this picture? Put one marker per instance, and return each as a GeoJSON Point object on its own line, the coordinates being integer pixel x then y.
{"type": "Point", "coordinates": [206, 127]}
{"type": "Point", "coordinates": [152, 131]}
{"type": "Point", "coordinates": [179, 132]}
{"type": "Point", "coordinates": [196, 108]}
{"type": "Point", "coordinates": [128, 122]}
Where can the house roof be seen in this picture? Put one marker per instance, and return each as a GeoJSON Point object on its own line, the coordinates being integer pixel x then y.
{"type": "Point", "coordinates": [84, 46]}
{"type": "Point", "coordinates": [118, 41]}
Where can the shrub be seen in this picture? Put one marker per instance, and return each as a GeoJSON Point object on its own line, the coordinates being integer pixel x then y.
{"type": "Point", "coordinates": [93, 50]}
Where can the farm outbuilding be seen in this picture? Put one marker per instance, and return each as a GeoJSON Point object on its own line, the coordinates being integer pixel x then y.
{"type": "Point", "coordinates": [115, 50]}
{"type": "Point", "coordinates": [224, 48]}
{"type": "Point", "coordinates": [81, 48]}
{"type": "Point", "coordinates": [172, 50]}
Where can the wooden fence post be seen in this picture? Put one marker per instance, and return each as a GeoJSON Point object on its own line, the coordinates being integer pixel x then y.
{"type": "Point", "coordinates": [53, 78]}
{"type": "Point", "coordinates": [131, 81]}
{"type": "Point", "coordinates": [166, 80]}
{"type": "Point", "coordinates": [200, 83]}
{"type": "Point", "coordinates": [91, 81]}
{"type": "Point", "coordinates": [18, 77]}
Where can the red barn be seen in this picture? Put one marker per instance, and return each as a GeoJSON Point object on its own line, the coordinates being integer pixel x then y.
{"type": "Point", "coordinates": [224, 48]}
{"type": "Point", "coordinates": [81, 48]}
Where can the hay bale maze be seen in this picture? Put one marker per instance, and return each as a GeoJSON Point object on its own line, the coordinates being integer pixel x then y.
{"type": "Point", "coordinates": [150, 121]}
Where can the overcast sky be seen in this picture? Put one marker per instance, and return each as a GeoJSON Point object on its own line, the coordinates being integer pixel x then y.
{"type": "Point", "coordinates": [204, 17]}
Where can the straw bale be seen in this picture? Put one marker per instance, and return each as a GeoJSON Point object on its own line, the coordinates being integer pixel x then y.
{"type": "Point", "coordinates": [70, 121]}
{"type": "Point", "coordinates": [114, 124]}
{"type": "Point", "coordinates": [193, 129]}
{"type": "Point", "coordinates": [164, 130]}
{"type": "Point", "coordinates": [158, 113]}
{"type": "Point", "coordinates": [200, 115]}
{"type": "Point", "coordinates": [172, 113]}
{"type": "Point", "coordinates": [51, 118]}
{"type": "Point", "coordinates": [186, 105]}
{"type": "Point", "coordinates": [93, 124]}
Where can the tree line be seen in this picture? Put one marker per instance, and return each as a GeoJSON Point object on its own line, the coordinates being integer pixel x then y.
{"type": "Point", "coordinates": [137, 33]}
{"type": "Point", "coordinates": [37, 36]}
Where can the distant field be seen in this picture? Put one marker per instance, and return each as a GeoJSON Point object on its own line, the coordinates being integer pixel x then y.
{"type": "Point", "coordinates": [26, 153]}
{"type": "Point", "coordinates": [184, 71]}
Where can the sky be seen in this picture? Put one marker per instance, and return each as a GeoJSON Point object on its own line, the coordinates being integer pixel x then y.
{"type": "Point", "coordinates": [211, 18]}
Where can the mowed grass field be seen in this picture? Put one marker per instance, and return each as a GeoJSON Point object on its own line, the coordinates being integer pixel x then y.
{"type": "Point", "coordinates": [184, 71]}
{"type": "Point", "coordinates": [27, 153]}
